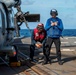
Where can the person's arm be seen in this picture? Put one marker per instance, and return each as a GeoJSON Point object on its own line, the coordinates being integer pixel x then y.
{"type": "Point", "coordinates": [45, 38]}
{"type": "Point", "coordinates": [32, 38]}
{"type": "Point", "coordinates": [48, 25]}
{"type": "Point", "coordinates": [44, 41]}
{"type": "Point", "coordinates": [60, 26]}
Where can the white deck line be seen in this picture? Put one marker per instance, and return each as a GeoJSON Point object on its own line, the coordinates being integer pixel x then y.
{"type": "Point", "coordinates": [68, 50]}
{"type": "Point", "coordinates": [64, 42]}
{"type": "Point", "coordinates": [65, 38]}
{"type": "Point", "coordinates": [75, 42]}
{"type": "Point", "coordinates": [71, 37]}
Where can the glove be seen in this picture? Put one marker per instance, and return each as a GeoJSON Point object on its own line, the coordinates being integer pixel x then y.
{"type": "Point", "coordinates": [52, 23]}
{"type": "Point", "coordinates": [38, 45]}
{"type": "Point", "coordinates": [56, 23]}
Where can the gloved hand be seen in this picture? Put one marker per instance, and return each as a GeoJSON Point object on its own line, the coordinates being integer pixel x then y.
{"type": "Point", "coordinates": [52, 23]}
{"type": "Point", "coordinates": [38, 45]}
{"type": "Point", "coordinates": [56, 22]}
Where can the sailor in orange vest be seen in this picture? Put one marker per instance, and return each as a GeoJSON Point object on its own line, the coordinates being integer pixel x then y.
{"type": "Point", "coordinates": [37, 39]}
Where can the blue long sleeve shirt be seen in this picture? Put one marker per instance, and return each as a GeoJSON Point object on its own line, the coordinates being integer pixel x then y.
{"type": "Point", "coordinates": [54, 31]}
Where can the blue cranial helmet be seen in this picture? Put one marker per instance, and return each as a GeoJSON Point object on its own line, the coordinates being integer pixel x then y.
{"type": "Point", "coordinates": [54, 11]}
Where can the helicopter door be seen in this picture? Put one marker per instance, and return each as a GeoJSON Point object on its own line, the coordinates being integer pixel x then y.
{"type": "Point", "coordinates": [3, 25]}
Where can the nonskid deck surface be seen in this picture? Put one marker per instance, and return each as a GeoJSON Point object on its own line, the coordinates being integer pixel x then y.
{"type": "Point", "coordinates": [68, 57]}
{"type": "Point", "coordinates": [65, 41]}
{"type": "Point", "coordinates": [68, 67]}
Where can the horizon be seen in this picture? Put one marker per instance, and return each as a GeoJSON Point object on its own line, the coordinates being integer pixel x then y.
{"type": "Point", "coordinates": [64, 29]}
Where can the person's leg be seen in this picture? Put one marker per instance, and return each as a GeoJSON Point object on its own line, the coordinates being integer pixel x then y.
{"type": "Point", "coordinates": [46, 50]}
{"type": "Point", "coordinates": [32, 49]}
{"type": "Point", "coordinates": [57, 45]}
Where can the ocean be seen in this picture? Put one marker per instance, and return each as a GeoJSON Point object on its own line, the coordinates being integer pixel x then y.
{"type": "Point", "coordinates": [66, 32]}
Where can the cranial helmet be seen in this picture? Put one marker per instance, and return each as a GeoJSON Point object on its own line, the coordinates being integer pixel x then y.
{"type": "Point", "coordinates": [54, 11]}
{"type": "Point", "coordinates": [40, 26]}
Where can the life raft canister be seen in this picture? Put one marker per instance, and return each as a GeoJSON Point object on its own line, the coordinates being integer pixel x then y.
{"type": "Point", "coordinates": [39, 36]}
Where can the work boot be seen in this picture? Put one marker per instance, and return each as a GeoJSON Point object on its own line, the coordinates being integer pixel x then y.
{"type": "Point", "coordinates": [33, 61]}
{"type": "Point", "coordinates": [49, 61]}
{"type": "Point", "coordinates": [45, 62]}
{"type": "Point", "coordinates": [60, 62]}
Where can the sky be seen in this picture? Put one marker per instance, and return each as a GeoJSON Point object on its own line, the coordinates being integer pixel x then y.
{"type": "Point", "coordinates": [66, 10]}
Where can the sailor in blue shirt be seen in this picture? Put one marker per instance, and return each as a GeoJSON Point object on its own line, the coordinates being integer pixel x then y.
{"type": "Point", "coordinates": [54, 28]}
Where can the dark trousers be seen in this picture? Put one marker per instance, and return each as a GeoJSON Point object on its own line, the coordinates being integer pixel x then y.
{"type": "Point", "coordinates": [32, 50]}
{"type": "Point", "coordinates": [48, 45]}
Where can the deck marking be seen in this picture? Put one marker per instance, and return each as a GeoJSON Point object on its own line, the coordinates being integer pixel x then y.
{"type": "Point", "coordinates": [64, 42]}
{"type": "Point", "coordinates": [75, 42]}
{"type": "Point", "coordinates": [72, 37]}
{"type": "Point", "coordinates": [68, 50]}
{"type": "Point", "coordinates": [66, 38]}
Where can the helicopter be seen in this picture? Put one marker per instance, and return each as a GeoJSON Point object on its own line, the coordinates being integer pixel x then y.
{"type": "Point", "coordinates": [10, 26]}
